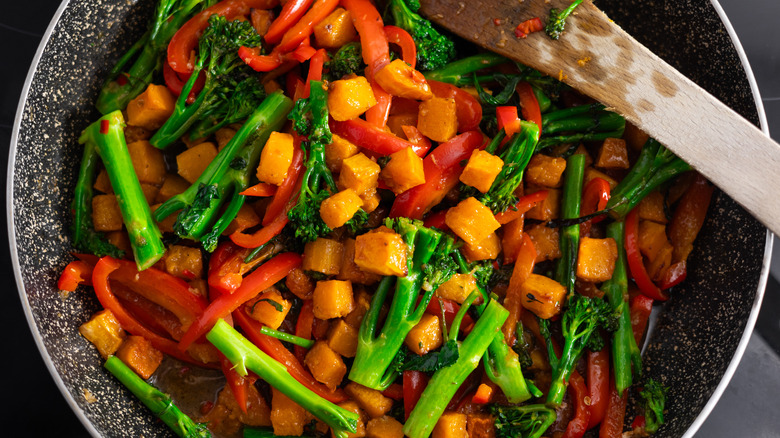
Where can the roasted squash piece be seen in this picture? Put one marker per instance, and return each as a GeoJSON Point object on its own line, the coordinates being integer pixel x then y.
{"type": "Point", "coordinates": [384, 427]}
{"type": "Point", "coordinates": [148, 162]}
{"type": "Point", "coordinates": [545, 171]}
{"type": "Point", "coordinates": [275, 158]}
{"type": "Point", "coordinates": [596, 259]}
{"type": "Point", "coordinates": [359, 173]}
{"type": "Point", "coordinates": [287, 417]}
{"type": "Point", "coordinates": [269, 308]}
{"type": "Point", "coordinates": [103, 331]}
{"type": "Point", "coordinates": [457, 288]}
{"type": "Point", "coordinates": [335, 30]}
{"type": "Point", "coordinates": [542, 295]}
{"type": "Point", "coordinates": [487, 249]}
{"type": "Point", "coordinates": [437, 119]}
{"type": "Point", "coordinates": [184, 262]}
{"type": "Point", "coordinates": [351, 271]}
{"type": "Point", "coordinates": [403, 171]}
{"type": "Point", "coordinates": [323, 255]}
{"type": "Point", "coordinates": [139, 354]}
{"type": "Point", "coordinates": [370, 400]}
{"type": "Point", "coordinates": [339, 208]}
{"type": "Point", "coordinates": [325, 365]}
{"type": "Point", "coordinates": [425, 336]}
{"type": "Point", "coordinates": [471, 221]}
{"type": "Point", "coordinates": [333, 299]}
{"type": "Point", "coordinates": [613, 154]}
{"type": "Point", "coordinates": [106, 215]}
{"type": "Point", "coordinates": [546, 241]}
{"type": "Point", "coordinates": [481, 170]}
{"type": "Point", "coordinates": [192, 162]}
{"type": "Point", "coordinates": [338, 150]}
{"type": "Point", "coordinates": [400, 79]}
{"type": "Point", "coordinates": [150, 109]}
{"type": "Point", "coordinates": [350, 97]}
{"type": "Point", "coordinates": [451, 425]}
{"type": "Point", "coordinates": [343, 338]}
{"type": "Point", "coordinates": [382, 252]}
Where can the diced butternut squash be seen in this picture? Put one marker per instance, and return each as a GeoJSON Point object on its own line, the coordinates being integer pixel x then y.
{"type": "Point", "coordinates": [343, 338]}
{"type": "Point", "coordinates": [184, 262]}
{"type": "Point", "coordinates": [339, 208]}
{"type": "Point", "coordinates": [481, 170]}
{"type": "Point", "coordinates": [395, 123]}
{"type": "Point", "coordinates": [471, 221]}
{"type": "Point", "coordinates": [106, 215]}
{"type": "Point", "coordinates": [663, 260]}
{"type": "Point", "coordinates": [172, 186]}
{"type": "Point", "coordinates": [426, 335]}
{"type": "Point", "coordinates": [150, 192]}
{"type": "Point", "coordinates": [138, 354]}
{"type": "Point", "coordinates": [545, 171]}
{"type": "Point", "coordinates": [275, 158]}
{"type": "Point", "coordinates": [359, 173]}
{"type": "Point", "coordinates": [102, 183]}
{"type": "Point", "coordinates": [121, 240]}
{"type": "Point", "coordinates": [103, 331]}
{"type": "Point", "coordinates": [371, 200]}
{"type": "Point", "coordinates": [651, 207]}
{"type": "Point", "coordinates": [480, 425]}
{"type": "Point", "coordinates": [542, 295]}
{"type": "Point", "coordinates": [546, 241]}
{"type": "Point", "coordinates": [335, 30]}
{"type": "Point", "coordinates": [362, 303]}
{"type": "Point", "coordinates": [166, 225]}
{"type": "Point", "coordinates": [148, 162]}
{"type": "Point", "coordinates": [457, 288]}
{"type": "Point", "coordinates": [596, 259]}
{"type": "Point", "coordinates": [652, 238]}
{"type": "Point", "coordinates": [269, 308]}
{"type": "Point", "coordinates": [403, 171]}
{"type": "Point", "coordinates": [370, 400]}
{"type": "Point", "coordinates": [487, 249]}
{"type": "Point", "coordinates": [437, 119]}
{"type": "Point", "coordinates": [287, 417]}
{"type": "Point", "coordinates": [591, 173]}
{"type": "Point", "coordinates": [613, 154]}
{"type": "Point", "coordinates": [323, 255]}
{"type": "Point", "coordinates": [635, 138]}
{"type": "Point", "coordinates": [151, 108]}
{"type": "Point", "coordinates": [299, 284]}
{"type": "Point", "coordinates": [135, 133]}
{"type": "Point", "coordinates": [351, 271]}
{"type": "Point", "coordinates": [192, 162]}
{"type": "Point", "coordinates": [400, 79]}
{"type": "Point", "coordinates": [451, 425]}
{"type": "Point", "coordinates": [338, 150]}
{"type": "Point", "coordinates": [325, 365]}
{"type": "Point", "coordinates": [349, 98]}
{"type": "Point", "coordinates": [223, 136]}
{"type": "Point", "coordinates": [547, 209]}
{"type": "Point", "coordinates": [333, 299]}
{"type": "Point", "coordinates": [381, 252]}
{"type": "Point", "coordinates": [245, 218]}
{"type": "Point", "coordinates": [384, 427]}
{"type": "Point", "coordinates": [352, 406]}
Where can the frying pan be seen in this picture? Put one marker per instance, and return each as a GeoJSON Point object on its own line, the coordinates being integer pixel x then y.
{"type": "Point", "coordinates": [697, 337]}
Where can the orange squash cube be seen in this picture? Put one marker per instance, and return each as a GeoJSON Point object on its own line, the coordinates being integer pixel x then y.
{"type": "Point", "coordinates": [325, 365]}
{"type": "Point", "coordinates": [635, 138]}
{"type": "Point", "coordinates": [596, 259]}
{"type": "Point", "coordinates": [488, 249]}
{"type": "Point", "coordinates": [338, 150]}
{"type": "Point", "coordinates": [541, 295]}
{"type": "Point", "coordinates": [151, 109]}
{"type": "Point", "coordinates": [333, 299]}
{"type": "Point", "coordinates": [651, 207]}
{"type": "Point", "coordinates": [299, 284]}
{"type": "Point", "coordinates": [384, 427]}
{"type": "Point", "coordinates": [403, 171]}
{"type": "Point", "coordinates": [104, 332]}
{"type": "Point", "coordinates": [362, 303]}
{"type": "Point", "coordinates": [662, 260]}
{"type": "Point", "coordinates": [481, 170]}
{"type": "Point", "coordinates": [545, 171]}
{"type": "Point", "coordinates": [139, 354]}
{"type": "Point", "coordinates": [546, 241]}
{"type": "Point", "coordinates": [269, 308]}
{"type": "Point", "coordinates": [287, 417]}
{"type": "Point", "coordinates": [381, 252]}
{"type": "Point", "coordinates": [223, 136]}
{"type": "Point", "coordinates": [106, 215]}
{"type": "Point", "coordinates": [352, 406]}
{"type": "Point", "coordinates": [148, 162]}
{"type": "Point", "coordinates": [172, 186]}
{"type": "Point", "coordinates": [351, 271]}
{"type": "Point", "coordinates": [335, 30]}
{"type": "Point", "coordinates": [184, 262]}
{"type": "Point", "coordinates": [150, 192]}
{"type": "Point", "coordinates": [395, 123]}
{"type": "Point", "coordinates": [339, 208]}
{"type": "Point", "coordinates": [370, 200]}
{"type": "Point", "coordinates": [591, 173]}
{"type": "Point", "coordinates": [323, 255]}
{"type": "Point", "coordinates": [102, 183]}
{"type": "Point", "coordinates": [192, 162]}
{"type": "Point", "coordinates": [370, 400]}
{"type": "Point", "coordinates": [359, 173]}
{"type": "Point", "coordinates": [547, 209]}
{"type": "Point", "coordinates": [400, 79]}
{"type": "Point", "coordinates": [613, 154]}
{"type": "Point", "coordinates": [437, 119]}
{"type": "Point", "coordinates": [426, 335]}
{"type": "Point", "coordinates": [451, 425]}
{"type": "Point", "coordinates": [471, 221]}
{"type": "Point", "coordinates": [349, 98]}
{"type": "Point", "coordinates": [245, 218]}
{"type": "Point", "coordinates": [457, 288]}
{"type": "Point", "coordinates": [343, 338]}
{"type": "Point", "coordinates": [652, 238]}
{"type": "Point", "coordinates": [135, 133]}
{"type": "Point", "coordinates": [275, 158]}
{"type": "Point", "coordinates": [121, 240]}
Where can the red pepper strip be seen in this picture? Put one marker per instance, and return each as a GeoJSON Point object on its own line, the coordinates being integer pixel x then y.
{"type": "Point", "coordinates": [579, 424]}
{"type": "Point", "coordinates": [528, 27]}
{"type": "Point", "coordinates": [175, 84]}
{"type": "Point", "coordinates": [437, 220]}
{"type": "Point", "coordinates": [673, 275]}
{"type": "Point", "coordinates": [293, 83]}
{"type": "Point", "coordinates": [262, 63]}
{"type": "Point", "coordinates": [598, 385]}
{"type": "Point", "coordinates": [442, 168]}
{"type": "Point", "coordinates": [377, 115]}
{"type": "Point", "coordinates": [415, 137]}
{"type": "Point", "coordinates": [451, 309]}
{"type": "Point", "coordinates": [292, 10]}
{"type": "Point", "coordinates": [468, 109]}
{"type": "Point", "coordinates": [689, 216]}
{"type": "Point", "coordinates": [262, 278]}
{"type": "Point", "coordinates": [483, 395]}
{"type": "Point", "coordinates": [185, 40]}
{"type": "Point", "coordinates": [612, 425]}
{"type": "Point", "coordinates": [225, 269]}
{"type": "Point", "coordinates": [529, 104]}
{"type": "Point", "coordinates": [261, 236]}
{"type": "Point", "coordinates": [316, 64]}
{"type": "Point", "coordinates": [394, 391]}
{"type": "Point", "coordinates": [366, 135]}
{"type": "Point", "coordinates": [508, 120]}
{"type": "Point", "coordinates": [149, 314]}
{"type": "Point", "coordinates": [369, 25]}
{"type": "Point", "coordinates": [239, 384]}
{"type": "Point", "coordinates": [260, 190]}
{"type": "Point", "coordinates": [639, 423]}
{"type": "Point", "coordinates": [414, 385]}
{"type": "Point", "coordinates": [402, 39]}
{"type": "Point", "coordinates": [104, 267]}
{"type": "Point", "coordinates": [641, 307]}
{"type": "Point", "coordinates": [304, 52]}
{"type": "Point", "coordinates": [594, 198]}
{"type": "Point", "coordinates": [634, 258]}
{"type": "Point", "coordinates": [524, 204]}
{"type": "Point", "coordinates": [524, 266]}
{"type": "Point", "coordinates": [305, 26]}
{"type": "Point", "coordinates": [274, 348]}
{"type": "Point", "coordinates": [77, 272]}
{"type": "Point", "coordinates": [303, 327]}
{"type": "Point", "coordinates": [287, 191]}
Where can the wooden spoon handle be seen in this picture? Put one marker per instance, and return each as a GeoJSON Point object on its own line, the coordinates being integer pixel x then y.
{"type": "Point", "coordinates": [599, 59]}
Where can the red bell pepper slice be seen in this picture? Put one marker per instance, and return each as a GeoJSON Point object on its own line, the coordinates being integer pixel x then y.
{"type": "Point", "coordinates": [483, 395]}
{"type": "Point", "coordinates": [634, 258]}
{"type": "Point", "coordinates": [673, 275]}
{"type": "Point", "coordinates": [508, 120]}
{"type": "Point", "coordinates": [688, 217]}
{"type": "Point", "coordinates": [612, 425]}
{"type": "Point", "coordinates": [579, 392]}
{"type": "Point", "coordinates": [263, 235]}
{"type": "Point", "coordinates": [377, 115]}
{"type": "Point", "coordinates": [369, 25]}
{"type": "Point", "coordinates": [291, 11]}
{"type": "Point", "coordinates": [437, 220]}
{"type": "Point", "coordinates": [304, 51]}
{"type": "Point", "coordinates": [262, 63]}
{"type": "Point", "coordinates": [305, 26]}
{"type": "Point", "coordinates": [524, 204]}
{"type": "Point", "coordinates": [185, 40]}
{"type": "Point", "coordinates": [595, 196]}
{"type": "Point", "coordinates": [402, 39]}
{"type": "Point", "coordinates": [286, 193]}
{"type": "Point", "coordinates": [303, 327]}
{"type": "Point", "coordinates": [467, 107]}
{"type": "Point", "coordinates": [77, 272]}
{"type": "Point", "coordinates": [528, 27]}
{"type": "Point", "coordinates": [260, 190]}
{"type": "Point", "coordinates": [640, 307]}
{"type": "Point", "coordinates": [316, 63]}
{"type": "Point", "coordinates": [525, 260]}
{"type": "Point", "coordinates": [149, 314]}
{"type": "Point", "coordinates": [394, 391]}
{"type": "Point", "coordinates": [366, 135]}
{"type": "Point", "coordinates": [450, 308]}
{"type": "Point", "coordinates": [416, 138]}
{"type": "Point", "coordinates": [414, 384]}
{"type": "Point", "coordinates": [176, 84]}
{"type": "Point", "coordinates": [239, 384]}
{"type": "Point", "coordinates": [529, 104]}
{"type": "Point", "coordinates": [598, 385]}
{"type": "Point", "coordinates": [262, 278]}
{"type": "Point", "coordinates": [442, 168]}
{"type": "Point", "coordinates": [225, 274]}
{"type": "Point", "coordinates": [639, 423]}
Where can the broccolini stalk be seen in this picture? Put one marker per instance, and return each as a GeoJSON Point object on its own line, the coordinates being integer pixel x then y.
{"type": "Point", "coordinates": [227, 174]}
{"type": "Point", "coordinates": [108, 138]}
{"type": "Point", "coordinates": [158, 402]}
{"type": "Point", "coordinates": [286, 337]}
{"type": "Point", "coordinates": [434, 50]}
{"type": "Point", "coordinates": [146, 55]}
{"type": "Point", "coordinates": [566, 269]}
{"type": "Point", "coordinates": [267, 432]}
{"type": "Point", "coordinates": [85, 238]}
{"type": "Point", "coordinates": [529, 421]}
{"type": "Point", "coordinates": [245, 356]}
{"type": "Point", "coordinates": [625, 351]}
{"type": "Point", "coordinates": [231, 90]}
{"type": "Point", "coordinates": [580, 123]}
{"type": "Point", "coordinates": [445, 382]}
{"type": "Point", "coordinates": [430, 264]}
{"type": "Point", "coordinates": [655, 166]}
{"type": "Point", "coordinates": [654, 399]}
{"type": "Point", "coordinates": [459, 73]}
{"type": "Point", "coordinates": [557, 20]}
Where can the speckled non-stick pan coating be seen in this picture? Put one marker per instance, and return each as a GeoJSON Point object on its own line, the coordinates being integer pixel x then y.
{"type": "Point", "coordinates": [692, 344]}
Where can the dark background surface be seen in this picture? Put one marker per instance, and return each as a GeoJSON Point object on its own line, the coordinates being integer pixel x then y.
{"type": "Point", "coordinates": [34, 406]}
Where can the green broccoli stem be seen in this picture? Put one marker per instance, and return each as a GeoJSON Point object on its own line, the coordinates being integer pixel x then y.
{"type": "Point", "coordinates": [286, 337]}
{"type": "Point", "coordinates": [655, 166]}
{"type": "Point", "coordinates": [445, 382]}
{"type": "Point", "coordinates": [107, 136]}
{"type": "Point", "coordinates": [85, 238]}
{"type": "Point", "coordinates": [246, 356]}
{"type": "Point", "coordinates": [459, 73]}
{"type": "Point", "coordinates": [528, 421]}
{"type": "Point", "coordinates": [158, 402]}
{"type": "Point", "coordinates": [653, 395]}
{"type": "Point", "coordinates": [557, 21]}
{"type": "Point", "coordinates": [266, 432]}
{"type": "Point", "coordinates": [566, 269]}
{"type": "Point", "coordinates": [625, 351]}
{"type": "Point", "coordinates": [579, 124]}
{"type": "Point", "coordinates": [434, 50]}
{"type": "Point", "coordinates": [577, 138]}
{"type": "Point", "coordinates": [184, 115]}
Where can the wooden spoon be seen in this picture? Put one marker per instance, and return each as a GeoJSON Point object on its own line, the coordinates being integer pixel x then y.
{"type": "Point", "coordinates": [599, 59]}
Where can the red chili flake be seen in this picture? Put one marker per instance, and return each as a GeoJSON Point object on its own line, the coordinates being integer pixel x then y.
{"type": "Point", "coordinates": [121, 79]}
{"type": "Point", "coordinates": [104, 126]}
{"type": "Point", "coordinates": [497, 22]}
{"type": "Point", "coordinates": [206, 407]}
{"type": "Point", "coordinates": [529, 26]}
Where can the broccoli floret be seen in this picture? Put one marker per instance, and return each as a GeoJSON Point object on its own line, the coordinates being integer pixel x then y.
{"type": "Point", "coordinates": [557, 20]}
{"type": "Point", "coordinates": [654, 399]}
{"type": "Point", "coordinates": [529, 421]}
{"type": "Point", "coordinates": [434, 50]}
{"type": "Point", "coordinates": [348, 59]}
